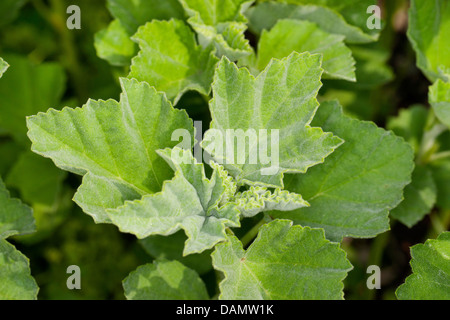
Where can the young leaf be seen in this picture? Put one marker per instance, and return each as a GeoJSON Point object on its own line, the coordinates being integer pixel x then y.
{"type": "Point", "coordinates": [410, 124]}
{"type": "Point", "coordinates": [44, 86]}
{"type": "Point", "coordinates": [352, 192]}
{"type": "Point", "coordinates": [294, 35]}
{"type": "Point", "coordinates": [258, 199]}
{"type": "Point", "coordinates": [134, 13]}
{"type": "Point", "coordinates": [189, 201]}
{"type": "Point", "coordinates": [310, 267]}
{"type": "Point", "coordinates": [266, 14]}
{"type": "Point", "coordinates": [16, 282]}
{"type": "Point", "coordinates": [15, 217]}
{"type": "Point", "coordinates": [420, 197]}
{"type": "Point", "coordinates": [164, 280]}
{"type": "Point", "coordinates": [113, 144]}
{"type": "Point", "coordinates": [431, 271]}
{"type": "Point", "coordinates": [439, 97]}
{"type": "Point", "coordinates": [283, 98]}
{"type": "Point", "coordinates": [170, 59]}
{"type": "Point", "coordinates": [114, 45]}
{"type": "Point", "coordinates": [428, 31]}
{"type": "Point", "coordinates": [220, 23]}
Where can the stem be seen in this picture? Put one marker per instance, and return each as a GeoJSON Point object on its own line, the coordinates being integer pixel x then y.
{"type": "Point", "coordinates": [428, 145]}
{"type": "Point", "coordinates": [376, 257]}
{"type": "Point", "coordinates": [439, 156]}
{"type": "Point", "coordinates": [252, 233]}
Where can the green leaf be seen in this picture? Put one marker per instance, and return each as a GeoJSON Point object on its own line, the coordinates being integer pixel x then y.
{"type": "Point", "coordinates": [37, 179]}
{"type": "Point", "coordinates": [441, 175]}
{"type": "Point", "coordinates": [283, 98]}
{"type": "Point", "coordinates": [420, 197]}
{"type": "Point", "coordinates": [113, 144]}
{"type": "Point", "coordinates": [171, 248]}
{"type": "Point", "coordinates": [114, 45]}
{"type": "Point", "coordinates": [308, 266]}
{"type": "Point", "coordinates": [189, 201]}
{"type": "Point", "coordinates": [428, 30]}
{"type": "Point", "coordinates": [294, 35]}
{"type": "Point", "coordinates": [439, 97]}
{"type": "Point", "coordinates": [9, 10]}
{"type": "Point", "coordinates": [352, 192]}
{"type": "Point", "coordinates": [164, 280]}
{"type": "Point", "coordinates": [27, 89]}
{"type": "Point", "coordinates": [266, 14]}
{"type": "Point", "coordinates": [258, 199]}
{"type": "Point", "coordinates": [3, 66]}
{"type": "Point", "coordinates": [134, 13]}
{"type": "Point", "coordinates": [431, 271]}
{"type": "Point", "coordinates": [15, 217]}
{"type": "Point", "coordinates": [170, 59]}
{"type": "Point", "coordinates": [354, 11]}
{"type": "Point", "coordinates": [16, 282]}
{"type": "Point", "coordinates": [220, 23]}
{"type": "Point", "coordinates": [410, 124]}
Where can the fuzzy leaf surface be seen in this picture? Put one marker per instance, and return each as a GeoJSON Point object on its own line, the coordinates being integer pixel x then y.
{"type": "Point", "coordinates": [311, 266]}
{"type": "Point", "coordinates": [112, 144]}
{"type": "Point", "coordinates": [352, 192]}
{"type": "Point", "coordinates": [431, 271]}
{"type": "Point", "coordinates": [283, 98]}
{"type": "Point", "coordinates": [295, 35]}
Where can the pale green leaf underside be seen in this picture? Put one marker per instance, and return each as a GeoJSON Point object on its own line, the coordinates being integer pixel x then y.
{"type": "Point", "coordinates": [258, 199]}
{"type": "Point", "coordinates": [16, 282]}
{"type": "Point", "coordinates": [419, 198]}
{"type": "Point", "coordinates": [431, 271]}
{"type": "Point", "coordinates": [3, 66]}
{"type": "Point", "coordinates": [265, 15]}
{"type": "Point", "coordinates": [352, 192]}
{"type": "Point", "coordinates": [295, 35]}
{"type": "Point", "coordinates": [114, 45]}
{"type": "Point", "coordinates": [428, 31]}
{"type": "Point", "coordinates": [164, 280]}
{"type": "Point", "coordinates": [113, 144]}
{"type": "Point", "coordinates": [439, 97]}
{"type": "Point", "coordinates": [189, 201]}
{"type": "Point", "coordinates": [284, 262]}
{"type": "Point", "coordinates": [43, 88]}
{"type": "Point", "coordinates": [171, 60]}
{"type": "Point", "coordinates": [283, 98]}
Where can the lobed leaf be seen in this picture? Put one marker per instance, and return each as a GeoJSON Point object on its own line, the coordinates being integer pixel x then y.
{"type": "Point", "coordinates": [283, 98]}
{"type": "Point", "coordinates": [352, 192]}
{"type": "Point", "coordinates": [431, 271]}
{"type": "Point", "coordinates": [311, 266]}
{"type": "Point", "coordinates": [3, 66]}
{"type": "Point", "coordinates": [439, 97]}
{"type": "Point", "coordinates": [171, 60]}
